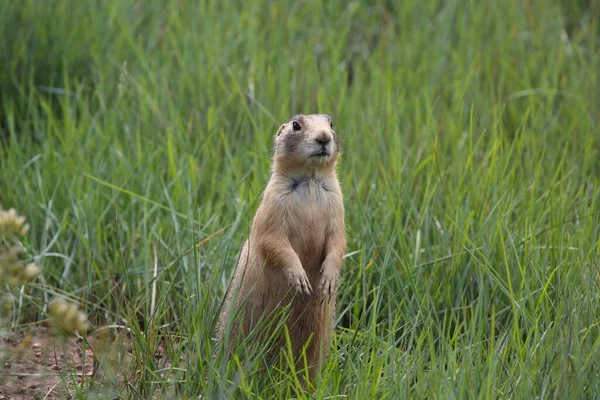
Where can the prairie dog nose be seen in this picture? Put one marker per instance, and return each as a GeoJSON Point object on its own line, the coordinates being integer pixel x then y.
{"type": "Point", "coordinates": [323, 138]}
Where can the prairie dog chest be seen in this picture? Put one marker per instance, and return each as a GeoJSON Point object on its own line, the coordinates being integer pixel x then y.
{"type": "Point", "coordinates": [309, 206]}
{"type": "Point", "coordinates": [310, 196]}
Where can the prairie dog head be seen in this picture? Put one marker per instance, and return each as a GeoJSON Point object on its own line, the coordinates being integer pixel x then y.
{"type": "Point", "coordinates": [307, 141]}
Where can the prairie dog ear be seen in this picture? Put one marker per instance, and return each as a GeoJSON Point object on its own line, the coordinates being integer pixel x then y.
{"type": "Point", "coordinates": [280, 130]}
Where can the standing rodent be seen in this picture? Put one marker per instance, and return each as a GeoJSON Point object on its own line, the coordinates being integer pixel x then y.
{"type": "Point", "coordinates": [293, 255]}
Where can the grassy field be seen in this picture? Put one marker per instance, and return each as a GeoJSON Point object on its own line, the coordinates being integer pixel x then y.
{"type": "Point", "coordinates": [136, 138]}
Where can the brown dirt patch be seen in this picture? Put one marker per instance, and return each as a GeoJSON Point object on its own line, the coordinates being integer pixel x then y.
{"type": "Point", "coordinates": [36, 365]}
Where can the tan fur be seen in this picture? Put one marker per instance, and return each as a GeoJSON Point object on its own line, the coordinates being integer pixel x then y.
{"type": "Point", "coordinates": [296, 243]}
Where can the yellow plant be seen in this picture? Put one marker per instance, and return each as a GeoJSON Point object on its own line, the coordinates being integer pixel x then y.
{"type": "Point", "coordinates": [12, 224]}
{"type": "Point", "coordinates": [66, 317]}
{"type": "Point", "coordinates": [13, 269]}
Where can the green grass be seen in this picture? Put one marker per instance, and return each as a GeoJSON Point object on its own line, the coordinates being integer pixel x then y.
{"type": "Point", "coordinates": [471, 173]}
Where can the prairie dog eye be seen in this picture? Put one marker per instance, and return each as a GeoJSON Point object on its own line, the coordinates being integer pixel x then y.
{"type": "Point", "coordinates": [331, 124]}
{"type": "Point", "coordinates": [296, 126]}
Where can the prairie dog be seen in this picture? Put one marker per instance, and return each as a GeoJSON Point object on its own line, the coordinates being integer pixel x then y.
{"type": "Point", "coordinates": [293, 255]}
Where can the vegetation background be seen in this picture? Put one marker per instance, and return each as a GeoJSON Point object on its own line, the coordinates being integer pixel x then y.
{"type": "Point", "coordinates": [136, 137]}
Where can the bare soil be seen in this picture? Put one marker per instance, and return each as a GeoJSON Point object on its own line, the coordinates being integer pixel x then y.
{"type": "Point", "coordinates": [37, 365]}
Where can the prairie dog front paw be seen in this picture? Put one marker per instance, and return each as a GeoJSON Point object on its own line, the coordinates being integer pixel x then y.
{"type": "Point", "coordinates": [298, 281]}
{"type": "Point", "coordinates": [327, 283]}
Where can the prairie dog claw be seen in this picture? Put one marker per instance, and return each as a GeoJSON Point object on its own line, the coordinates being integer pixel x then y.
{"type": "Point", "coordinates": [298, 281]}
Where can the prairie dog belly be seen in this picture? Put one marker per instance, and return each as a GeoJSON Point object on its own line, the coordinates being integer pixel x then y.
{"type": "Point", "coordinates": [307, 221]}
